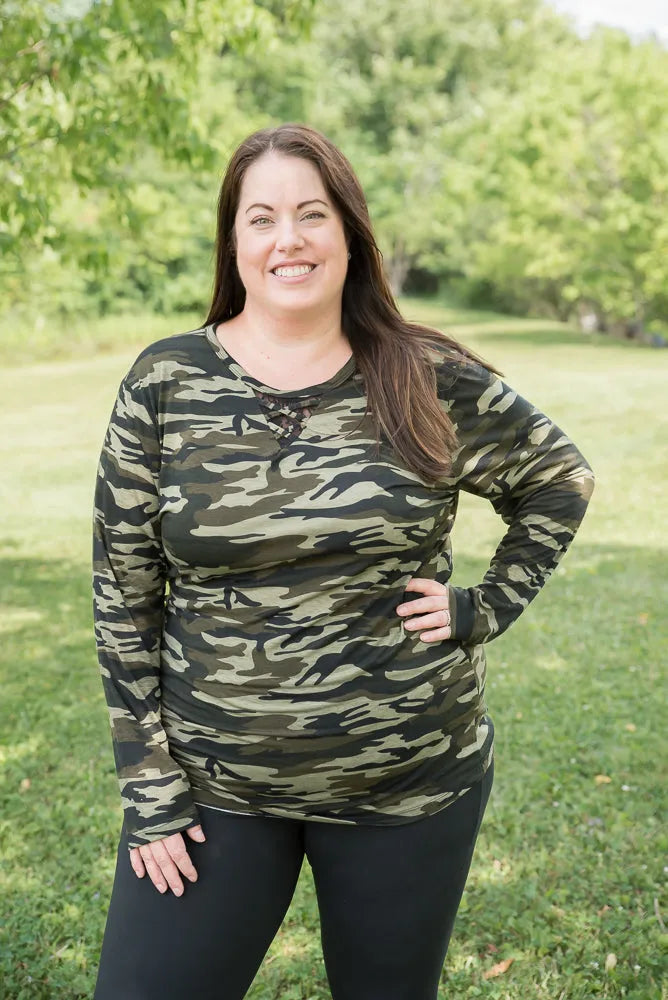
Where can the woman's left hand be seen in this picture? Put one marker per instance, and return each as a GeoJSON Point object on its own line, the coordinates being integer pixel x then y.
{"type": "Point", "coordinates": [433, 610]}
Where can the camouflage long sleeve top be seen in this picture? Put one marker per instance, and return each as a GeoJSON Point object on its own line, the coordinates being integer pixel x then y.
{"type": "Point", "coordinates": [245, 590]}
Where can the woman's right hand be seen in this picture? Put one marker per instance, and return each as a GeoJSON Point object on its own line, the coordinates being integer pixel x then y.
{"type": "Point", "coordinates": [165, 859]}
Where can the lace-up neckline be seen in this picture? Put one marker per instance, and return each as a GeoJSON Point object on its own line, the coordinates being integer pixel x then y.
{"type": "Point", "coordinates": [287, 414]}
{"type": "Point", "coordinates": [285, 411]}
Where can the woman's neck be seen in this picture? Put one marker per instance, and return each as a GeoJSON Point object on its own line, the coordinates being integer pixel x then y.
{"type": "Point", "coordinates": [287, 339]}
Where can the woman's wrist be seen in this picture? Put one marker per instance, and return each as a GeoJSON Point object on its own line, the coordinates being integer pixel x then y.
{"type": "Point", "coordinates": [462, 612]}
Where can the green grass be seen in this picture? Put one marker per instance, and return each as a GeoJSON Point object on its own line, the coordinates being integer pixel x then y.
{"type": "Point", "coordinates": [53, 339]}
{"type": "Point", "coordinates": [567, 870]}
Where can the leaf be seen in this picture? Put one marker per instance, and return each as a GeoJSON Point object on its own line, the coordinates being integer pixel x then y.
{"type": "Point", "coordinates": [610, 961]}
{"type": "Point", "coordinates": [602, 779]}
{"type": "Point", "coordinates": [498, 969]}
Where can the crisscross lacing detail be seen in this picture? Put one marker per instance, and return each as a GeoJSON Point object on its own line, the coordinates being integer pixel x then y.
{"type": "Point", "coordinates": [287, 415]}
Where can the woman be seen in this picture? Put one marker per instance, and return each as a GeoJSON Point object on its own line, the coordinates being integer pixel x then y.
{"type": "Point", "coordinates": [288, 671]}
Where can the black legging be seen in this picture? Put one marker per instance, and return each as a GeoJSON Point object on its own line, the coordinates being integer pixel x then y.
{"type": "Point", "coordinates": [387, 898]}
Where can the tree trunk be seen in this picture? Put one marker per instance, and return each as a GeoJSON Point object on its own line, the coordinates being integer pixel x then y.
{"type": "Point", "coordinates": [397, 269]}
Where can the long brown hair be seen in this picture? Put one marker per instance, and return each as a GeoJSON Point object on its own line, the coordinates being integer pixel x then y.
{"type": "Point", "coordinates": [392, 354]}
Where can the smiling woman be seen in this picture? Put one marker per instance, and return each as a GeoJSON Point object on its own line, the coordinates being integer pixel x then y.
{"type": "Point", "coordinates": [292, 259]}
{"type": "Point", "coordinates": [309, 683]}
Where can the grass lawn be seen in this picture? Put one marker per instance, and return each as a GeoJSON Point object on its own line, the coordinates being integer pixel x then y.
{"type": "Point", "coordinates": [567, 874]}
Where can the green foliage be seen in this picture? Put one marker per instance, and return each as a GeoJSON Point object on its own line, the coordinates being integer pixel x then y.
{"type": "Point", "coordinates": [566, 870]}
{"type": "Point", "coordinates": [569, 183]}
{"type": "Point", "coordinates": [505, 159]}
{"type": "Point", "coordinates": [400, 82]}
{"type": "Point", "coordinates": [89, 87]}
{"type": "Point", "coordinates": [499, 151]}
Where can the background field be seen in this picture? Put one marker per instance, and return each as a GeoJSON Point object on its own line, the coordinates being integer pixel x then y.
{"type": "Point", "coordinates": [568, 868]}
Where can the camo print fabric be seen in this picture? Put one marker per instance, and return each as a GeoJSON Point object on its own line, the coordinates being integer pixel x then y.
{"type": "Point", "coordinates": [245, 591]}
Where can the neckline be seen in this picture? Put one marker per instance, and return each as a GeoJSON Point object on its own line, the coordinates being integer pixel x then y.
{"type": "Point", "coordinates": [317, 389]}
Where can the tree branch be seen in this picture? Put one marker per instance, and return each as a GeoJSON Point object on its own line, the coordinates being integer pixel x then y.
{"type": "Point", "coordinates": [26, 85]}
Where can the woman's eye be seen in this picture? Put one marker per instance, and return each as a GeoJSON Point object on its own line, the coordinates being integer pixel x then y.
{"type": "Point", "coordinates": [265, 218]}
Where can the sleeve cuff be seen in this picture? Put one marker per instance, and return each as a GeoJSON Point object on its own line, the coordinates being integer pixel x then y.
{"type": "Point", "coordinates": [462, 613]}
{"type": "Point", "coordinates": [157, 806]}
{"type": "Point", "coordinates": [149, 834]}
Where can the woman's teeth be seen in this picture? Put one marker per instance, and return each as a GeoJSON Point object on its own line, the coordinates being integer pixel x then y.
{"type": "Point", "coordinates": [292, 272]}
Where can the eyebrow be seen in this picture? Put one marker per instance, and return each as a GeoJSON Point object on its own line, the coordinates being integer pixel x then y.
{"type": "Point", "coordinates": [301, 204]}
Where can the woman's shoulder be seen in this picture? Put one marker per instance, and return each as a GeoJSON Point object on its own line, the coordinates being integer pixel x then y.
{"type": "Point", "coordinates": [161, 359]}
{"type": "Point", "coordinates": [457, 372]}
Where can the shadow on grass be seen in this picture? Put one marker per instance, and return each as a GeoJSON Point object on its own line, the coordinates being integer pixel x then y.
{"type": "Point", "coordinates": [489, 326]}
{"type": "Point", "coordinates": [553, 337]}
{"type": "Point", "coordinates": [572, 691]}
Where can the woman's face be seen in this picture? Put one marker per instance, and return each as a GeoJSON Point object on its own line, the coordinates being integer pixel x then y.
{"type": "Point", "coordinates": [285, 217]}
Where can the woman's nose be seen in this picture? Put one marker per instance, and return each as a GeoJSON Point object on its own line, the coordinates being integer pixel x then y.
{"type": "Point", "coordinates": [288, 235]}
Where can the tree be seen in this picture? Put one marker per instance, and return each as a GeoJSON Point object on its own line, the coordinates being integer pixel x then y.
{"type": "Point", "coordinates": [86, 86]}
{"type": "Point", "coordinates": [401, 94]}
{"type": "Point", "coordinates": [569, 199]}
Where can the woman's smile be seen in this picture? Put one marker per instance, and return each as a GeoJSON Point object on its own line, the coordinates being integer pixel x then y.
{"type": "Point", "coordinates": [295, 274]}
